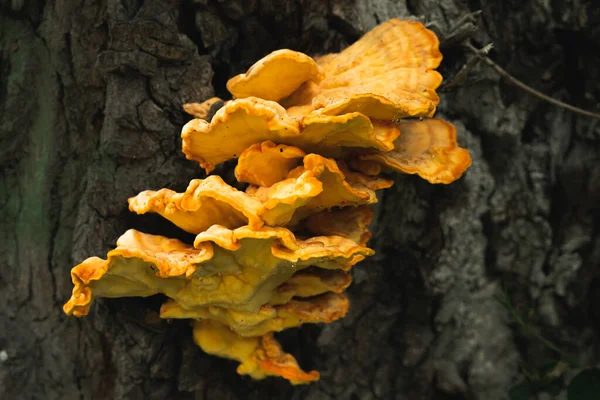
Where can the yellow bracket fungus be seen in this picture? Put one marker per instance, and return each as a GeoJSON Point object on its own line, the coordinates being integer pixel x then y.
{"type": "Point", "coordinates": [387, 74]}
{"type": "Point", "coordinates": [239, 269]}
{"type": "Point", "coordinates": [349, 222]}
{"type": "Point", "coordinates": [244, 122]}
{"type": "Point", "coordinates": [311, 283]}
{"type": "Point", "coordinates": [326, 134]}
{"type": "Point", "coordinates": [320, 184]}
{"type": "Point", "coordinates": [200, 110]}
{"type": "Point", "coordinates": [311, 138]}
{"type": "Point", "coordinates": [275, 76]}
{"type": "Point", "coordinates": [320, 309]}
{"type": "Point", "coordinates": [266, 163]}
{"type": "Point", "coordinates": [259, 357]}
{"type": "Point", "coordinates": [428, 148]}
{"type": "Point", "coordinates": [204, 203]}
{"type": "Point", "coordinates": [317, 185]}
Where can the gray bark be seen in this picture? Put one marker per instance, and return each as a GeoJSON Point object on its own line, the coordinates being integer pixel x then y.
{"type": "Point", "coordinates": [90, 114]}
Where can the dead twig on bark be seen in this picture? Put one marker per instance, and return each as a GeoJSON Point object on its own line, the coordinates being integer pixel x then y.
{"type": "Point", "coordinates": [482, 55]}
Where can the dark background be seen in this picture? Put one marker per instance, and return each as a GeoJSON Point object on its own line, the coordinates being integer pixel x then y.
{"type": "Point", "coordinates": [90, 114]}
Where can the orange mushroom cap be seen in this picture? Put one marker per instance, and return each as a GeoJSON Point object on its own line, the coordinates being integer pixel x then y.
{"type": "Point", "coordinates": [387, 74]}
{"type": "Point", "coordinates": [327, 134]}
{"type": "Point", "coordinates": [427, 148]}
{"type": "Point", "coordinates": [259, 357]}
{"type": "Point", "coordinates": [266, 163]}
{"type": "Point", "coordinates": [138, 265]}
{"type": "Point", "coordinates": [317, 185]}
{"type": "Point", "coordinates": [311, 282]}
{"type": "Point", "coordinates": [204, 203]}
{"type": "Point", "coordinates": [329, 252]}
{"type": "Point", "coordinates": [201, 110]}
{"type": "Point", "coordinates": [349, 222]}
{"type": "Point", "coordinates": [239, 269]}
{"type": "Point", "coordinates": [242, 123]}
{"type": "Point", "coordinates": [324, 308]}
{"type": "Point", "coordinates": [320, 184]}
{"type": "Point", "coordinates": [275, 76]}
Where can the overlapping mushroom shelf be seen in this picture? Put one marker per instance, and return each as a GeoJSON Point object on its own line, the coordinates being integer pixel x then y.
{"type": "Point", "coordinates": [311, 137]}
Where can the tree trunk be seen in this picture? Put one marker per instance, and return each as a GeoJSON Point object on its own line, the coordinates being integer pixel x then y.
{"type": "Point", "coordinates": [90, 114]}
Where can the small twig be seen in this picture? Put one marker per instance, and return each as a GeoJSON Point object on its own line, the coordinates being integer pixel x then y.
{"type": "Point", "coordinates": [462, 74]}
{"type": "Point", "coordinates": [529, 89]}
{"type": "Point", "coordinates": [463, 29]}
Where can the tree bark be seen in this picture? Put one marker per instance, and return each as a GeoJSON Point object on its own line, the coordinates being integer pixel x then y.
{"type": "Point", "coordinates": [90, 114]}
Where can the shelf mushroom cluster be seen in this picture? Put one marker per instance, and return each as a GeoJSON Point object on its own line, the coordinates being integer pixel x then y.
{"type": "Point", "coordinates": [311, 137]}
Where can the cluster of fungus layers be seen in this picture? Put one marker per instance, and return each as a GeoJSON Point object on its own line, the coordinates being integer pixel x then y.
{"type": "Point", "coordinates": [311, 137]}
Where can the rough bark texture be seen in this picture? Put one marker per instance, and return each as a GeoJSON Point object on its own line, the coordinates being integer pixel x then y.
{"type": "Point", "coordinates": [90, 114]}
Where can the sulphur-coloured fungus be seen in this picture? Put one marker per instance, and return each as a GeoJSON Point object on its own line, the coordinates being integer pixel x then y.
{"type": "Point", "coordinates": [312, 137]}
{"type": "Point", "coordinates": [259, 357]}
{"type": "Point", "coordinates": [309, 283]}
{"type": "Point", "coordinates": [275, 76]}
{"type": "Point", "coordinates": [324, 308]}
{"type": "Point", "coordinates": [348, 222]}
{"type": "Point", "coordinates": [387, 74]}
{"type": "Point", "coordinates": [201, 110]}
{"type": "Point", "coordinates": [238, 269]}
{"type": "Point", "coordinates": [266, 163]}
{"type": "Point", "coordinates": [428, 148]}
{"type": "Point", "coordinates": [205, 203]}
{"type": "Point", "coordinates": [242, 123]}
{"type": "Point", "coordinates": [319, 184]}
{"type": "Point", "coordinates": [316, 185]}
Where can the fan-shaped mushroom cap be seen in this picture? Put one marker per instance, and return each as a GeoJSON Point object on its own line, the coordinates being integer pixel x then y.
{"type": "Point", "coordinates": [327, 134]}
{"type": "Point", "coordinates": [387, 74]}
{"type": "Point", "coordinates": [307, 283]}
{"type": "Point", "coordinates": [324, 308]}
{"type": "Point", "coordinates": [318, 185]}
{"type": "Point", "coordinates": [235, 127]}
{"type": "Point", "coordinates": [311, 282]}
{"type": "Point", "coordinates": [428, 148]}
{"type": "Point", "coordinates": [201, 110]}
{"type": "Point", "coordinates": [244, 122]}
{"type": "Point", "coordinates": [347, 222]}
{"type": "Point", "coordinates": [204, 203]}
{"type": "Point", "coordinates": [139, 266]}
{"type": "Point", "coordinates": [392, 44]}
{"type": "Point", "coordinates": [238, 269]}
{"type": "Point", "coordinates": [266, 163]}
{"type": "Point", "coordinates": [275, 76]}
{"type": "Point", "coordinates": [328, 252]}
{"type": "Point", "coordinates": [259, 357]}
